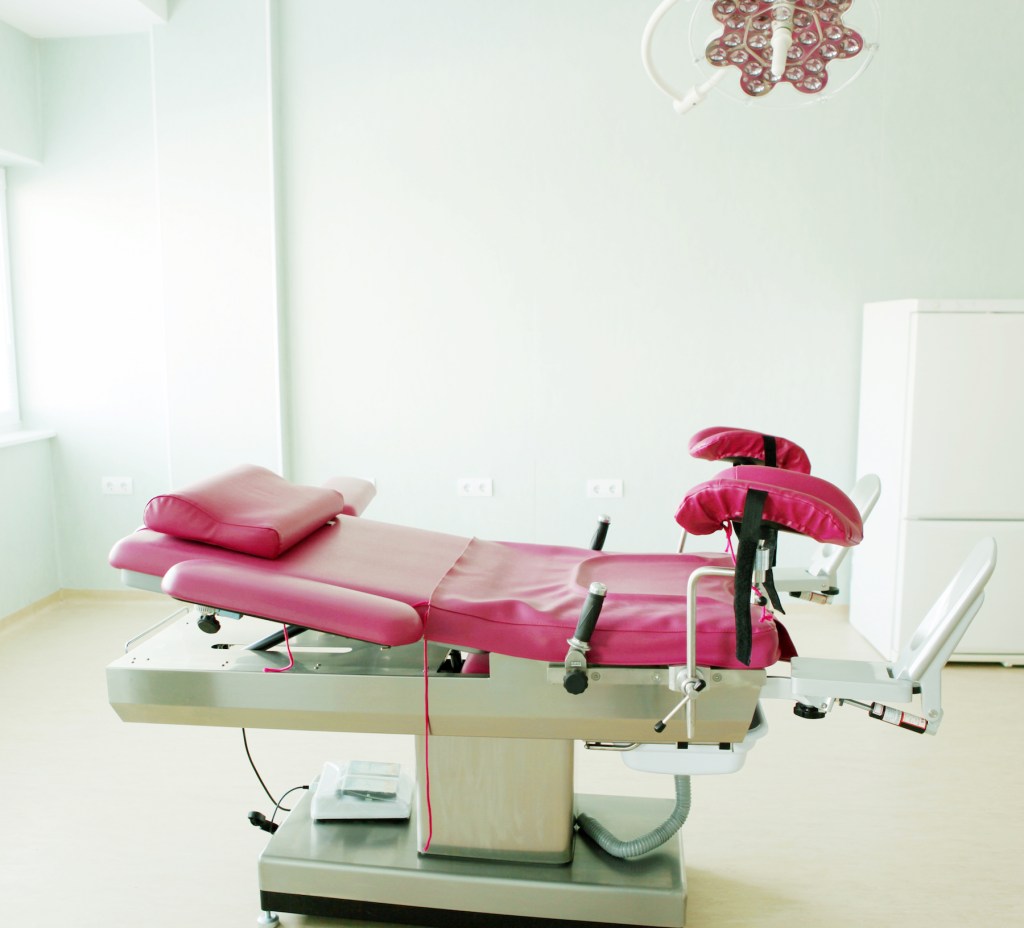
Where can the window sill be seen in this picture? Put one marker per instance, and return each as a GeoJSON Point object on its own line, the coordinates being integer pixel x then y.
{"type": "Point", "coordinates": [22, 437]}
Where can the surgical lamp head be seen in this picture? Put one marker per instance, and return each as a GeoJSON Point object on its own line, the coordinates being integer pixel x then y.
{"type": "Point", "coordinates": [769, 42]}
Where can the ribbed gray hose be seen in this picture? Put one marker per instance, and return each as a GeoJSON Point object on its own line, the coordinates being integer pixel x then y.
{"type": "Point", "coordinates": [648, 842]}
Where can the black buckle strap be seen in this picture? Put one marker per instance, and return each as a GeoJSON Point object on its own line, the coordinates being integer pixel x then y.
{"type": "Point", "coordinates": [769, 588]}
{"type": "Point", "coordinates": [751, 532]}
{"type": "Point", "coordinates": [770, 451]}
{"type": "Point", "coordinates": [746, 550]}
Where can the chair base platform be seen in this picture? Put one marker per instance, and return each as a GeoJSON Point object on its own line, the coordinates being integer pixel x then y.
{"type": "Point", "coordinates": [373, 871]}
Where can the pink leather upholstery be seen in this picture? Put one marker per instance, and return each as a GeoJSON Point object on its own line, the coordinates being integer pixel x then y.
{"type": "Point", "coordinates": [524, 600]}
{"type": "Point", "coordinates": [400, 563]}
{"type": "Point", "coordinates": [796, 502]}
{"type": "Point", "coordinates": [250, 590]}
{"type": "Point", "coordinates": [722, 443]}
{"type": "Point", "coordinates": [393, 585]}
{"type": "Point", "coordinates": [249, 509]}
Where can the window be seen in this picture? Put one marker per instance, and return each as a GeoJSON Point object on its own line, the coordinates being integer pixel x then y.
{"type": "Point", "coordinates": [8, 381]}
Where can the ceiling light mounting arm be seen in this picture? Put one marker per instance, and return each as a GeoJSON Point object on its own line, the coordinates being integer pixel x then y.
{"type": "Point", "coordinates": [782, 35]}
{"type": "Point", "coordinates": [681, 103]}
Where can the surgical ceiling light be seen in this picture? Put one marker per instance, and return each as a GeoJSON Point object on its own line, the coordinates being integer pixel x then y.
{"type": "Point", "coordinates": [771, 42]}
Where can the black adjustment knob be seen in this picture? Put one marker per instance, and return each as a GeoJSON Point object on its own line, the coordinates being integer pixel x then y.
{"type": "Point", "coordinates": [209, 623]}
{"type": "Point", "coordinates": [575, 682]}
{"type": "Point", "coordinates": [807, 712]}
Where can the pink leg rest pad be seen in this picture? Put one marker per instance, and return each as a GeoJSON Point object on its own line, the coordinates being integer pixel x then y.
{"type": "Point", "coordinates": [721, 443]}
{"type": "Point", "coordinates": [294, 600]}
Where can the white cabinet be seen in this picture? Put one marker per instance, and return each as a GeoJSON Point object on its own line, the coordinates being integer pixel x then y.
{"type": "Point", "coordinates": [942, 424]}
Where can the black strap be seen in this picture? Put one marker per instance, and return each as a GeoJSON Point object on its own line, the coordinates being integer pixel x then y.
{"type": "Point", "coordinates": [773, 594]}
{"type": "Point", "coordinates": [749, 535]}
{"type": "Point", "coordinates": [770, 451]}
{"type": "Point", "coordinates": [771, 536]}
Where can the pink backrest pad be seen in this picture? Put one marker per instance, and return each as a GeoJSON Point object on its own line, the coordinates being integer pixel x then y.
{"type": "Point", "coordinates": [249, 509]}
{"type": "Point", "coordinates": [722, 443]}
{"type": "Point", "coordinates": [796, 503]}
{"type": "Point", "coordinates": [374, 557]}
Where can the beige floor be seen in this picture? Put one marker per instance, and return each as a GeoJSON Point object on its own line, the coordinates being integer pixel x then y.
{"type": "Point", "coordinates": [841, 822]}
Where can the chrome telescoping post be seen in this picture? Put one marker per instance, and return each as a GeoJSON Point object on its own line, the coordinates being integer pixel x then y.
{"type": "Point", "coordinates": [692, 684]}
{"type": "Point", "coordinates": [762, 561]}
{"type": "Point", "coordinates": [761, 574]}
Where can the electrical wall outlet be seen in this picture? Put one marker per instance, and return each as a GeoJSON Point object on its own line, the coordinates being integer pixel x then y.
{"type": "Point", "coordinates": [475, 486]}
{"type": "Point", "coordinates": [604, 488]}
{"type": "Point", "coordinates": [116, 486]}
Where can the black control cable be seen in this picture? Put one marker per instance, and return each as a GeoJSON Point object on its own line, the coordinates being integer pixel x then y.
{"type": "Point", "coordinates": [258, 819]}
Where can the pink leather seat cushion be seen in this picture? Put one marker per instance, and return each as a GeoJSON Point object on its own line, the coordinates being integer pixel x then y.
{"type": "Point", "coordinates": [525, 600]}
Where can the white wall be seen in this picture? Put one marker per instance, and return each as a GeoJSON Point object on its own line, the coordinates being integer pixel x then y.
{"type": "Point", "coordinates": [144, 268]}
{"type": "Point", "coordinates": [499, 253]}
{"type": "Point", "coordinates": [19, 98]}
{"type": "Point", "coordinates": [28, 536]}
{"type": "Point", "coordinates": [508, 257]}
{"type": "Point", "coordinates": [214, 140]}
{"type": "Point", "coordinates": [28, 540]}
{"type": "Point", "coordinates": [86, 280]}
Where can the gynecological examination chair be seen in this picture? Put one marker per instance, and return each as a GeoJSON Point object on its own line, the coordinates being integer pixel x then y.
{"type": "Point", "coordinates": [498, 657]}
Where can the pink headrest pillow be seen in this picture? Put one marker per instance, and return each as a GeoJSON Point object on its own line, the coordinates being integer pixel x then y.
{"type": "Point", "coordinates": [721, 443]}
{"type": "Point", "coordinates": [795, 502]}
{"type": "Point", "coordinates": [249, 509]}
